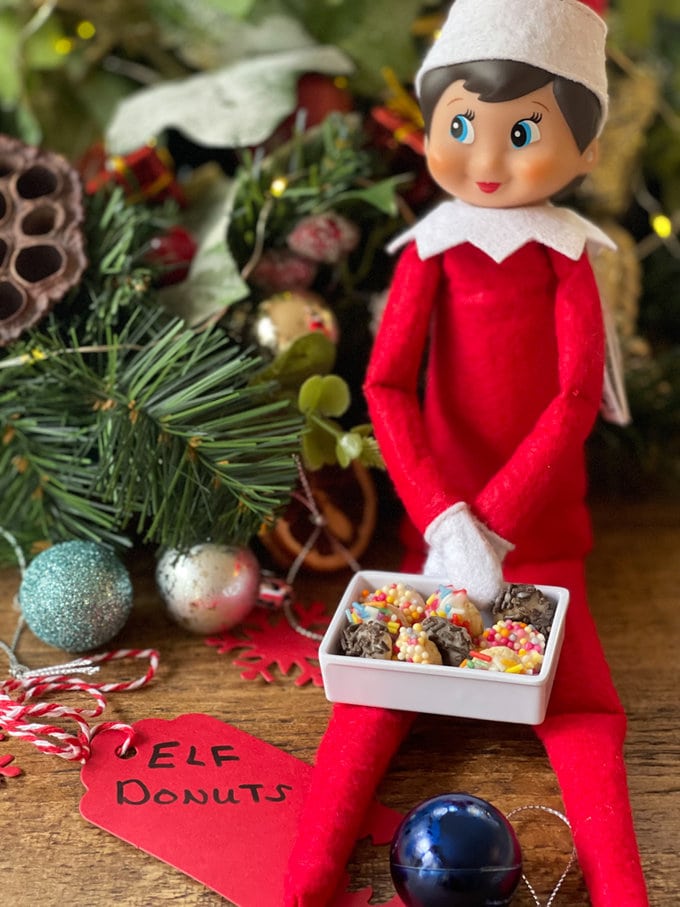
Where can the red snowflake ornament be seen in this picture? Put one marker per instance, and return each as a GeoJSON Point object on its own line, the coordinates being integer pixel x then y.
{"type": "Point", "coordinates": [269, 640]}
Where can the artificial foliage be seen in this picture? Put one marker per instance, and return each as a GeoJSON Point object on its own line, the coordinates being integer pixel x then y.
{"type": "Point", "coordinates": [68, 63]}
{"type": "Point", "coordinates": [323, 169]}
{"type": "Point", "coordinates": [644, 51]}
{"type": "Point", "coordinates": [118, 421]}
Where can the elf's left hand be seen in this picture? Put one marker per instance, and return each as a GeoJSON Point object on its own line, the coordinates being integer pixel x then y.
{"type": "Point", "coordinates": [468, 553]}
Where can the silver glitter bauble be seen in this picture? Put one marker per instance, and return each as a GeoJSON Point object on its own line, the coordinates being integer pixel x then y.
{"type": "Point", "coordinates": [76, 596]}
{"type": "Point", "coordinates": [210, 587]}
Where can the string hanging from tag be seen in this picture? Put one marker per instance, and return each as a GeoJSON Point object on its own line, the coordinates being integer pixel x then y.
{"type": "Point", "coordinates": [24, 713]}
{"type": "Point", "coordinates": [570, 861]}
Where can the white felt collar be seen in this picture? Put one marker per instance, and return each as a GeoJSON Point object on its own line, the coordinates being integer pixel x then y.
{"type": "Point", "coordinates": [501, 231]}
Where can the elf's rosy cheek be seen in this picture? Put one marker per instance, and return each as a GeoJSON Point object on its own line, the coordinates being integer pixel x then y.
{"type": "Point", "coordinates": [443, 162]}
{"type": "Point", "coordinates": [537, 170]}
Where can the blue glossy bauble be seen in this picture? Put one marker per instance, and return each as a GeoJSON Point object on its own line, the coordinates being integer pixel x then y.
{"type": "Point", "coordinates": [455, 850]}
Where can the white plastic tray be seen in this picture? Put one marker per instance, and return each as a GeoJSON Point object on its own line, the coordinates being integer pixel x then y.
{"type": "Point", "coordinates": [437, 689]}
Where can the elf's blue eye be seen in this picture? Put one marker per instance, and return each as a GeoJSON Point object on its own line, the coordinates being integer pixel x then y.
{"type": "Point", "coordinates": [462, 129]}
{"type": "Point", "coordinates": [525, 132]}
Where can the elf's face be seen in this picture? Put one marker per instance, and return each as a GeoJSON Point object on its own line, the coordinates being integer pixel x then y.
{"type": "Point", "coordinates": [503, 154]}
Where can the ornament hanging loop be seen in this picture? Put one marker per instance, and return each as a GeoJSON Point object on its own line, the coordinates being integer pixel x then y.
{"type": "Point", "coordinates": [77, 666]}
{"type": "Point", "coordinates": [570, 861]}
{"type": "Point", "coordinates": [23, 674]}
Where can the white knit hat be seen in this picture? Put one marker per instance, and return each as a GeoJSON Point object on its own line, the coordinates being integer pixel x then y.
{"type": "Point", "coordinates": [563, 37]}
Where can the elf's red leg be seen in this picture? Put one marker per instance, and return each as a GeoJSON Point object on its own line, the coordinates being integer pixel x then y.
{"type": "Point", "coordinates": [583, 734]}
{"type": "Point", "coordinates": [352, 759]}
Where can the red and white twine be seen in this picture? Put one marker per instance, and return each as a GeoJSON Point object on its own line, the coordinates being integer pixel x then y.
{"type": "Point", "coordinates": [21, 695]}
{"type": "Point", "coordinates": [25, 714]}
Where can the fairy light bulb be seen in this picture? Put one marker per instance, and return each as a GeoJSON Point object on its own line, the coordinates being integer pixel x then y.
{"type": "Point", "coordinates": [662, 225]}
{"type": "Point", "coordinates": [63, 46]}
{"type": "Point", "coordinates": [278, 186]}
{"type": "Point", "coordinates": [86, 30]}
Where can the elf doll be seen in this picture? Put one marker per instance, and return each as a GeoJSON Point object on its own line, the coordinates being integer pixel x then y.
{"type": "Point", "coordinates": [495, 287]}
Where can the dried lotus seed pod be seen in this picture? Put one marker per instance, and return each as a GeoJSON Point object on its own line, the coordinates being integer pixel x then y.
{"type": "Point", "coordinates": [42, 248]}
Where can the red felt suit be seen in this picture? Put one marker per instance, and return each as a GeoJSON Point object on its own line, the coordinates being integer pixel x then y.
{"type": "Point", "coordinates": [512, 387]}
{"type": "Point", "coordinates": [497, 288]}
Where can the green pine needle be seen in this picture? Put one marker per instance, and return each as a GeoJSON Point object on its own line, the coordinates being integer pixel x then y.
{"type": "Point", "coordinates": [117, 421]}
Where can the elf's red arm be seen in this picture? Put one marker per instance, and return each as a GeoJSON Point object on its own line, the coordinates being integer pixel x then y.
{"type": "Point", "coordinates": [391, 387]}
{"type": "Point", "coordinates": [513, 495]}
{"type": "Point", "coordinates": [517, 490]}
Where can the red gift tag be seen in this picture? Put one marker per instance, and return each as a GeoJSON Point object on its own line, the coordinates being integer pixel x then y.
{"type": "Point", "coordinates": [211, 800]}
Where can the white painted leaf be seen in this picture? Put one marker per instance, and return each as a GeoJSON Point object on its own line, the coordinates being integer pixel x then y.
{"type": "Point", "coordinates": [235, 107]}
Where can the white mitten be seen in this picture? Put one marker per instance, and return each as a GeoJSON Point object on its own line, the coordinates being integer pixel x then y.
{"type": "Point", "coordinates": [467, 553]}
{"type": "Point", "coordinates": [500, 545]}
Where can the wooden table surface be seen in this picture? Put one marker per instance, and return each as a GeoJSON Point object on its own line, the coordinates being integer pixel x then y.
{"type": "Point", "coordinates": [50, 856]}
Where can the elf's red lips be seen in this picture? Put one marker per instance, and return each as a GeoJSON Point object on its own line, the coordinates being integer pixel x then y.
{"type": "Point", "coordinates": [488, 187]}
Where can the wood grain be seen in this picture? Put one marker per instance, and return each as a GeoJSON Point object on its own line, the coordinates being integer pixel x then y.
{"type": "Point", "coordinates": [49, 855]}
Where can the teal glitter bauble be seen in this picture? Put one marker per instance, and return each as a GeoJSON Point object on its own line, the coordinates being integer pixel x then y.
{"type": "Point", "coordinates": [76, 596]}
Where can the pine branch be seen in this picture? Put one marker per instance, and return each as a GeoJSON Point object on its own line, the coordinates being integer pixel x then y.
{"type": "Point", "coordinates": [115, 418]}
{"type": "Point", "coordinates": [118, 277]}
{"type": "Point", "coordinates": [44, 478]}
{"type": "Point", "coordinates": [184, 446]}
